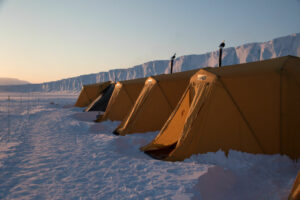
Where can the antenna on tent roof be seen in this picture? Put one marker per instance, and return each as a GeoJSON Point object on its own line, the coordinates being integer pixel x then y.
{"type": "Point", "coordinates": [172, 62]}
{"type": "Point", "coordinates": [221, 46]}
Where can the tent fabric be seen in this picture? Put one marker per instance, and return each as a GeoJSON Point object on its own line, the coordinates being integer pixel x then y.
{"type": "Point", "coordinates": [122, 99]}
{"type": "Point", "coordinates": [252, 107]}
{"type": "Point", "coordinates": [100, 103]}
{"type": "Point", "coordinates": [295, 192]}
{"type": "Point", "coordinates": [155, 103]}
{"type": "Point", "coordinates": [90, 92]}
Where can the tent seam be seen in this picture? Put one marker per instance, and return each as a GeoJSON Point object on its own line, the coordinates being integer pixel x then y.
{"type": "Point", "coordinates": [171, 107]}
{"type": "Point", "coordinates": [186, 128]}
{"type": "Point", "coordinates": [125, 89]}
{"type": "Point", "coordinates": [241, 114]}
{"type": "Point", "coordinates": [140, 102]}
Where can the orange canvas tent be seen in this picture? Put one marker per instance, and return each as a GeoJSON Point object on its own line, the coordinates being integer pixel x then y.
{"type": "Point", "coordinates": [90, 92]}
{"type": "Point", "coordinates": [122, 99]}
{"type": "Point", "coordinates": [252, 107]}
{"type": "Point", "coordinates": [155, 103]}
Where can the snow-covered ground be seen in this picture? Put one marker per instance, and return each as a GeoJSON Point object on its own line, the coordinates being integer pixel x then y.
{"type": "Point", "coordinates": [51, 150]}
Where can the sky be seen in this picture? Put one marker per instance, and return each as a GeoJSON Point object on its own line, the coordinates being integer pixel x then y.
{"type": "Point", "coordinates": [48, 40]}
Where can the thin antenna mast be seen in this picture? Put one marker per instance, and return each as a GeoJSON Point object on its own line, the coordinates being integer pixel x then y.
{"type": "Point", "coordinates": [172, 62]}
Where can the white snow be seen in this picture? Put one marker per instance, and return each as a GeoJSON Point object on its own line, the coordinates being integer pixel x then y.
{"type": "Point", "coordinates": [245, 176]}
{"type": "Point", "coordinates": [51, 150]}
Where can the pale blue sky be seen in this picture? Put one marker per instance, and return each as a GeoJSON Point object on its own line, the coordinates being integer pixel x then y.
{"type": "Point", "coordinates": [47, 40]}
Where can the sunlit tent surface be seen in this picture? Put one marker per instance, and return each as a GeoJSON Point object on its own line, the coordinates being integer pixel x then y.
{"type": "Point", "coordinates": [155, 103]}
{"type": "Point", "coordinates": [253, 107]}
{"type": "Point", "coordinates": [295, 192]}
{"type": "Point", "coordinates": [90, 92]}
{"type": "Point", "coordinates": [100, 103]}
{"type": "Point", "coordinates": [123, 97]}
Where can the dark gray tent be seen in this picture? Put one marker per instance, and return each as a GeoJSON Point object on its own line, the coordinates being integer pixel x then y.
{"type": "Point", "coordinates": [100, 103]}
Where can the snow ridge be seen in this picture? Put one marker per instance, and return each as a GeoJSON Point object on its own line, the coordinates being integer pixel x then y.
{"type": "Point", "coordinates": [282, 46]}
{"type": "Point", "coordinates": [12, 81]}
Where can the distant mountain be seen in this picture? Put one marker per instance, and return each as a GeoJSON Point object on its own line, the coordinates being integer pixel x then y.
{"type": "Point", "coordinates": [287, 45]}
{"type": "Point", "coordinates": [12, 81]}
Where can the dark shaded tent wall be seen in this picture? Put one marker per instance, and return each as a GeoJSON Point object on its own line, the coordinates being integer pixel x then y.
{"type": "Point", "coordinates": [101, 102]}
{"type": "Point", "coordinates": [90, 92]}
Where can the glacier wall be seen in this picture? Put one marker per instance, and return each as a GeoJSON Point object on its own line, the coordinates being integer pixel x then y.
{"type": "Point", "coordinates": [287, 45]}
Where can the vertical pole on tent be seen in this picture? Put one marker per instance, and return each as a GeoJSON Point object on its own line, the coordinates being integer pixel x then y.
{"type": "Point", "coordinates": [172, 62]}
{"type": "Point", "coordinates": [221, 46]}
{"type": "Point", "coordinates": [220, 57]}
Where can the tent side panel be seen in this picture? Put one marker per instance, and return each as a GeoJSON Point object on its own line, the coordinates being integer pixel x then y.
{"type": "Point", "coordinates": [153, 113]}
{"type": "Point", "coordinates": [123, 99]}
{"type": "Point", "coordinates": [174, 89]}
{"type": "Point", "coordinates": [101, 102]}
{"type": "Point", "coordinates": [172, 129]}
{"type": "Point", "coordinates": [82, 100]}
{"type": "Point", "coordinates": [134, 90]}
{"type": "Point", "coordinates": [118, 107]}
{"type": "Point", "coordinates": [258, 98]}
{"type": "Point", "coordinates": [148, 112]}
{"type": "Point", "coordinates": [90, 92]}
{"type": "Point", "coordinates": [124, 126]}
{"type": "Point", "coordinates": [93, 92]}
